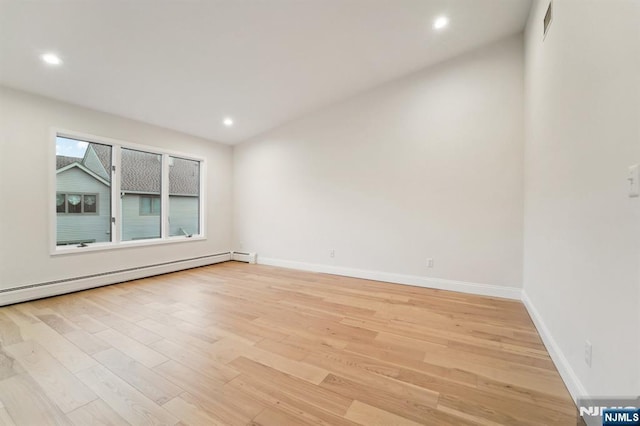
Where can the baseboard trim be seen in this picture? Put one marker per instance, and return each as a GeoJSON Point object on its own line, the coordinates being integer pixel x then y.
{"type": "Point", "coordinates": [39, 291]}
{"type": "Point", "coordinates": [414, 280]}
{"type": "Point", "coordinates": [569, 377]}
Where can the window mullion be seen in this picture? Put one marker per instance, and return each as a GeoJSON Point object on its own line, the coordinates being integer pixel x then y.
{"type": "Point", "coordinates": [164, 198]}
{"type": "Point", "coordinates": [201, 197]}
{"type": "Point", "coordinates": [116, 200]}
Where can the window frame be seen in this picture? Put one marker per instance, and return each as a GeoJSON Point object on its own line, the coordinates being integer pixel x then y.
{"type": "Point", "coordinates": [116, 202]}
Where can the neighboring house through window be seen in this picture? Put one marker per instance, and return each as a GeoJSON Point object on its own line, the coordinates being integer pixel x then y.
{"type": "Point", "coordinates": [83, 192]}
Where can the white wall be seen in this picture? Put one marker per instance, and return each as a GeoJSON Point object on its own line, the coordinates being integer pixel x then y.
{"type": "Point", "coordinates": [426, 166]}
{"type": "Point", "coordinates": [582, 232]}
{"type": "Point", "coordinates": [25, 122]}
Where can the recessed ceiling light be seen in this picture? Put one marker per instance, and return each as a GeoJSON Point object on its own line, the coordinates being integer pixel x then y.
{"type": "Point", "coordinates": [228, 121]}
{"type": "Point", "coordinates": [440, 22]}
{"type": "Point", "coordinates": [51, 59]}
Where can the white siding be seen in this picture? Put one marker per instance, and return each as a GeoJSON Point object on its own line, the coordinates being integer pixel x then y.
{"type": "Point", "coordinates": [74, 227]}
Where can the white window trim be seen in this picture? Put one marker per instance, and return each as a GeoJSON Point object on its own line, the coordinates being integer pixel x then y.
{"type": "Point", "coordinates": [116, 210]}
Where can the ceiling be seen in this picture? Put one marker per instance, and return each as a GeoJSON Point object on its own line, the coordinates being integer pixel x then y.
{"type": "Point", "coordinates": [187, 64]}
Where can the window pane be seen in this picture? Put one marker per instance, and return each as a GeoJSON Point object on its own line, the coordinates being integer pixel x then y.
{"type": "Point", "coordinates": [145, 205]}
{"type": "Point", "coordinates": [60, 203]}
{"type": "Point", "coordinates": [90, 203]}
{"type": "Point", "coordinates": [184, 197]}
{"type": "Point", "coordinates": [82, 170]}
{"type": "Point", "coordinates": [141, 180]}
{"type": "Point", "coordinates": [73, 203]}
{"type": "Point", "coordinates": [150, 205]}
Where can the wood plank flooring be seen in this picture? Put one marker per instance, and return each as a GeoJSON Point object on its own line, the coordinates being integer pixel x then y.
{"type": "Point", "coordinates": [239, 344]}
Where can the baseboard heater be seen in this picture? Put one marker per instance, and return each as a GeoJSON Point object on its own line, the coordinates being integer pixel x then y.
{"type": "Point", "coordinates": [243, 257]}
{"type": "Point", "coordinates": [68, 285]}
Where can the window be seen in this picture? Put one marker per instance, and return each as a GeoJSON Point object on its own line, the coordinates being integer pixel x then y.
{"type": "Point", "coordinates": [141, 179]}
{"type": "Point", "coordinates": [60, 203]}
{"type": "Point", "coordinates": [149, 205]}
{"type": "Point", "coordinates": [83, 192]}
{"type": "Point", "coordinates": [184, 197]}
{"type": "Point", "coordinates": [89, 203]}
{"type": "Point", "coordinates": [77, 203]}
{"type": "Point", "coordinates": [110, 193]}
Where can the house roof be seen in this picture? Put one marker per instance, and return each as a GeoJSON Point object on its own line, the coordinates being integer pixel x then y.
{"type": "Point", "coordinates": [103, 152]}
{"type": "Point", "coordinates": [141, 171]}
{"type": "Point", "coordinates": [184, 177]}
{"type": "Point", "coordinates": [63, 161]}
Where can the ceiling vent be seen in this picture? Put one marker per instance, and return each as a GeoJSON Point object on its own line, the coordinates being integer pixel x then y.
{"type": "Point", "coordinates": [548, 17]}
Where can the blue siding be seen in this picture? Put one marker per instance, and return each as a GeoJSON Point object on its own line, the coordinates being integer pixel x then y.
{"type": "Point", "coordinates": [135, 226]}
{"type": "Point", "coordinates": [184, 213]}
{"type": "Point", "coordinates": [76, 227]}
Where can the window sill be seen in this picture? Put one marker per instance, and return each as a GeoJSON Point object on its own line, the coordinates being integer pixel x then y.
{"type": "Point", "coordinates": [64, 250]}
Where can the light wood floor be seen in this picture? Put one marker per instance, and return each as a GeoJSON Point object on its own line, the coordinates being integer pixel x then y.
{"type": "Point", "coordinates": [239, 344]}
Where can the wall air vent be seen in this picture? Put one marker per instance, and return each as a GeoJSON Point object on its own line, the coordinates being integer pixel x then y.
{"type": "Point", "coordinates": [548, 17]}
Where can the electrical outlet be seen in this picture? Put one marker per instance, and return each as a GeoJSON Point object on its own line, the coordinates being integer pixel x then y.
{"type": "Point", "coordinates": [588, 349]}
{"type": "Point", "coordinates": [430, 262]}
{"type": "Point", "coordinates": [332, 253]}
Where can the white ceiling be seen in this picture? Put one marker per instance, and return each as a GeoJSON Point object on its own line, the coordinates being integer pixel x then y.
{"type": "Point", "coordinates": [185, 64]}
